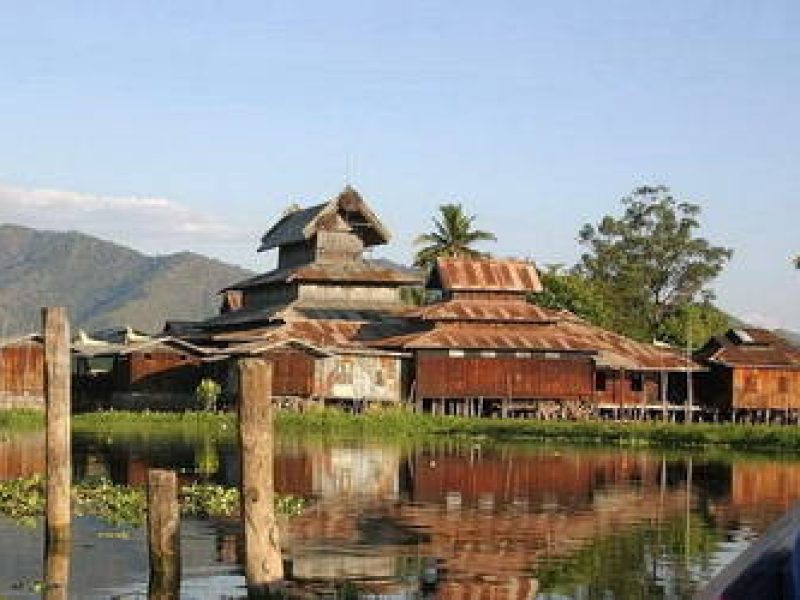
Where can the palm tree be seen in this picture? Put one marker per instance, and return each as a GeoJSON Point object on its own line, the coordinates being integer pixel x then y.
{"type": "Point", "coordinates": [452, 235]}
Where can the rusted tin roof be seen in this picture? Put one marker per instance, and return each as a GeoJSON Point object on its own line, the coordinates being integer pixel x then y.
{"type": "Point", "coordinates": [491, 275]}
{"type": "Point", "coordinates": [359, 271]}
{"type": "Point", "coordinates": [611, 350]}
{"type": "Point", "coordinates": [299, 225]}
{"type": "Point", "coordinates": [750, 347]}
{"type": "Point", "coordinates": [510, 311]}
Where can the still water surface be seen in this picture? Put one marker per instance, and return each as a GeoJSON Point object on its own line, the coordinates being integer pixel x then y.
{"type": "Point", "coordinates": [429, 520]}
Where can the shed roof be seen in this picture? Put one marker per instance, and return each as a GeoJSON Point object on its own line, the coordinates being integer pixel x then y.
{"type": "Point", "coordinates": [301, 224]}
{"type": "Point", "coordinates": [487, 274]}
{"type": "Point", "coordinates": [750, 347]}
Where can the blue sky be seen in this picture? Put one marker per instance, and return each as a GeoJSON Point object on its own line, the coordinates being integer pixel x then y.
{"type": "Point", "coordinates": [191, 125]}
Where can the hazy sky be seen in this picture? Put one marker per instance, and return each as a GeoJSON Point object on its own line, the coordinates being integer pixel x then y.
{"type": "Point", "coordinates": [191, 125]}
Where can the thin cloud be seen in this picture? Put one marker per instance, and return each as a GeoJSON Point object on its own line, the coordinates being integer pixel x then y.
{"type": "Point", "coordinates": [134, 218]}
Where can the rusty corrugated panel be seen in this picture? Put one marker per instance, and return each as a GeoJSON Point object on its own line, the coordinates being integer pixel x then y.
{"type": "Point", "coordinates": [761, 348]}
{"type": "Point", "coordinates": [492, 311]}
{"type": "Point", "coordinates": [487, 275]}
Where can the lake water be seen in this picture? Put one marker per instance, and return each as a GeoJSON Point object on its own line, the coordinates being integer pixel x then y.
{"type": "Point", "coordinates": [431, 520]}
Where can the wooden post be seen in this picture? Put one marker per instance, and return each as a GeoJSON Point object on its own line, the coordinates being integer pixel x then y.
{"type": "Point", "coordinates": [56, 570]}
{"type": "Point", "coordinates": [263, 562]}
{"type": "Point", "coordinates": [58, 437]}
{"type": "Point", "coordinates": [163, 534]}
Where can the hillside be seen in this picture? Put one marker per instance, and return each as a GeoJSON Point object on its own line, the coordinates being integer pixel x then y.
{"type": "Point", "coordinates": [103, 284]}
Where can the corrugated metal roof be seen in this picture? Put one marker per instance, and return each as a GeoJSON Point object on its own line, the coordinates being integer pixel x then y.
{"type": "Point", "coordinates": [761, 348]}
{"type": "Point", "coordinates": [566, 336]}
{"type": "Point", "coordinates": [357, 271]}
{"type": "Point", "coordinates": [300, 225]}
{"type": "Point", "coordinates": [494, 311]}
{"type": "Point", "coordinates": [490, 274]}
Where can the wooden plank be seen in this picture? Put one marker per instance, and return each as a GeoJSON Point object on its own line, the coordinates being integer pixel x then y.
{"type": "Point", "coordinates": [263, 562]}
{"type": "Point", "coordinates": [58, 435]}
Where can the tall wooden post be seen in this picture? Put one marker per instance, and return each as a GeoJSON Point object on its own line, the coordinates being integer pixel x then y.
{"type": "Point", "coordinates": [163, 534]}
{"type": "Point", "coordinates": [263, 562]}
{"type": "Point", "coordinates": [58, 438]}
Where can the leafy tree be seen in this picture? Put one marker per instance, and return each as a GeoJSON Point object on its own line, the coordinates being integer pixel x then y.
{"type": "Point", "coordinates": [650, 260]}
{"type": "Point", "coordinates": [693, 324]}
{"type": "Point", "coordinates": [797, 262]}
{"type": "Point", "coordinates": [452, 235]}
{"type": "Point", "coordinates": [567, 290]}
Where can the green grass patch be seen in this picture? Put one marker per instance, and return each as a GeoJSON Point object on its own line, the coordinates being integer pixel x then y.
{"type": "Point", "coordinates": [398, 424]}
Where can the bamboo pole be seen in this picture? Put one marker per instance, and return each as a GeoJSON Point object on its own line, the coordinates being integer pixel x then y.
{"type": "Point", "coordinates": [163, 534]}
{"type": "Point", "coordinates": [263, 562]}
{"type": "Point", "coordinates": [57, 396]}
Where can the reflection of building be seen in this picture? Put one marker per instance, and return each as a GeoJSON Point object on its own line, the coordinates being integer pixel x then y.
{"type": "Point", "coordinates": [22, 455]}
{"type": "Point", "coordinates": [367, 472]}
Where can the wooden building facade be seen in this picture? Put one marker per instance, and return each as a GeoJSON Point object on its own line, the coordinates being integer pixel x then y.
{"type": "Point", "coordinates": [484, 349]}
{"type": "Point", "coordinates": [752, 373]}
{"type": "Point", "coordinates": [22, 372]}
{"type": "Point", "coordinates": [314, 314]}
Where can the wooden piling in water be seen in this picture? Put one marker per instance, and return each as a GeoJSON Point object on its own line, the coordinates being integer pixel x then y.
{"type": "Point", "coordinates": [263, 562]}
{"type": "Point", "coordinates": [57, 374]}
{"type": "Point", "coordinates": [56, 570]}
{"type": "Point", "coordinates": [163, 534]}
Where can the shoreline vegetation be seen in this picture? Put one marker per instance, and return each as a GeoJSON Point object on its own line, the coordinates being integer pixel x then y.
{"type": "Point", "coordinates": [402, 424]}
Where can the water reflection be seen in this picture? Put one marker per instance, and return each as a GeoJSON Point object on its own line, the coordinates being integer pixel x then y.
{"type": "Point", "coordinates": [445, 520]}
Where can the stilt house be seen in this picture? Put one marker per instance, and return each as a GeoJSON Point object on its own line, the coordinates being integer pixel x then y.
{"type": "Point", "coordinates": [752, 373]}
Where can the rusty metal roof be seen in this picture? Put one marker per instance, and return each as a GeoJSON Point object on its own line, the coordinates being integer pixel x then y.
{"type": "Point", "coordinates": [509, 311]}
{"type": "Point", "coordinates": [357, 271]}
{"type": "Point", "coordinates": [489, 274]}
{"type": "Point", "coordinates": [751, 347]}
{"type": "Point", "coordinates": [611, 349]}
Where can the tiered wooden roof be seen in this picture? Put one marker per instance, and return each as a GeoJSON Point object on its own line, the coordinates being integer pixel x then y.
{"type": "Point", "coordinates": [495, 315]}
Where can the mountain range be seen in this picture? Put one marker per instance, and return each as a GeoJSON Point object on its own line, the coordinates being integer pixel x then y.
{"type": "Point", "coordinates": [101, 283]}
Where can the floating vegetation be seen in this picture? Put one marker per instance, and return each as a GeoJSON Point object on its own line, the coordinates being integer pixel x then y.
{"type": "Point", "coordinates": [119, 505]}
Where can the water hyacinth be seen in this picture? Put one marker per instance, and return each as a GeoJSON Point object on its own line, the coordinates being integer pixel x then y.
{"type": "Point", "coordinates": [23, 500]}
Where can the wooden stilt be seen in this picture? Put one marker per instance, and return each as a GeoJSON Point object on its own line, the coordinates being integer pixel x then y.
{"type": "Point", "coordinates": [263, 562]}
{"type": "Point", "coordinates": [163, 534]}
{"type": "Point", "coordinates": [56, 570]}
{"type": "Point", "coordinates": [57, 398]}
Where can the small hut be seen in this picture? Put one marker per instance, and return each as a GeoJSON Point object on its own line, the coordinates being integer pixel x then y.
{"type": "Point", "coordinates": [753, 374]}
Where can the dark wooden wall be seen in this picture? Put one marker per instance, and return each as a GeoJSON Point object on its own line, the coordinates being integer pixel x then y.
{"type": "Point", "coordinates": [442, 376]}
{"type": "Point", "coordinates": [158, 372]}
{"type": "Point", "coordinates": [620, 388]}
{"type": "Point", "coordinates": [21, 369]}
{"type": "Point", "coordinates": [292, 373]}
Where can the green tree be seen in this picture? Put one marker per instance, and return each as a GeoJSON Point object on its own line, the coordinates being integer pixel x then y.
{"type": "Point", "coordinates": [568, 290]}
{"type": "Point", "coordinates": [693, 324]}
{"type": "Point", "coordinates": [453, 235]}
{"type": "Point", "coordinates": [797, 262]}
{"type": "Point", "coordinates": [650, 260]}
